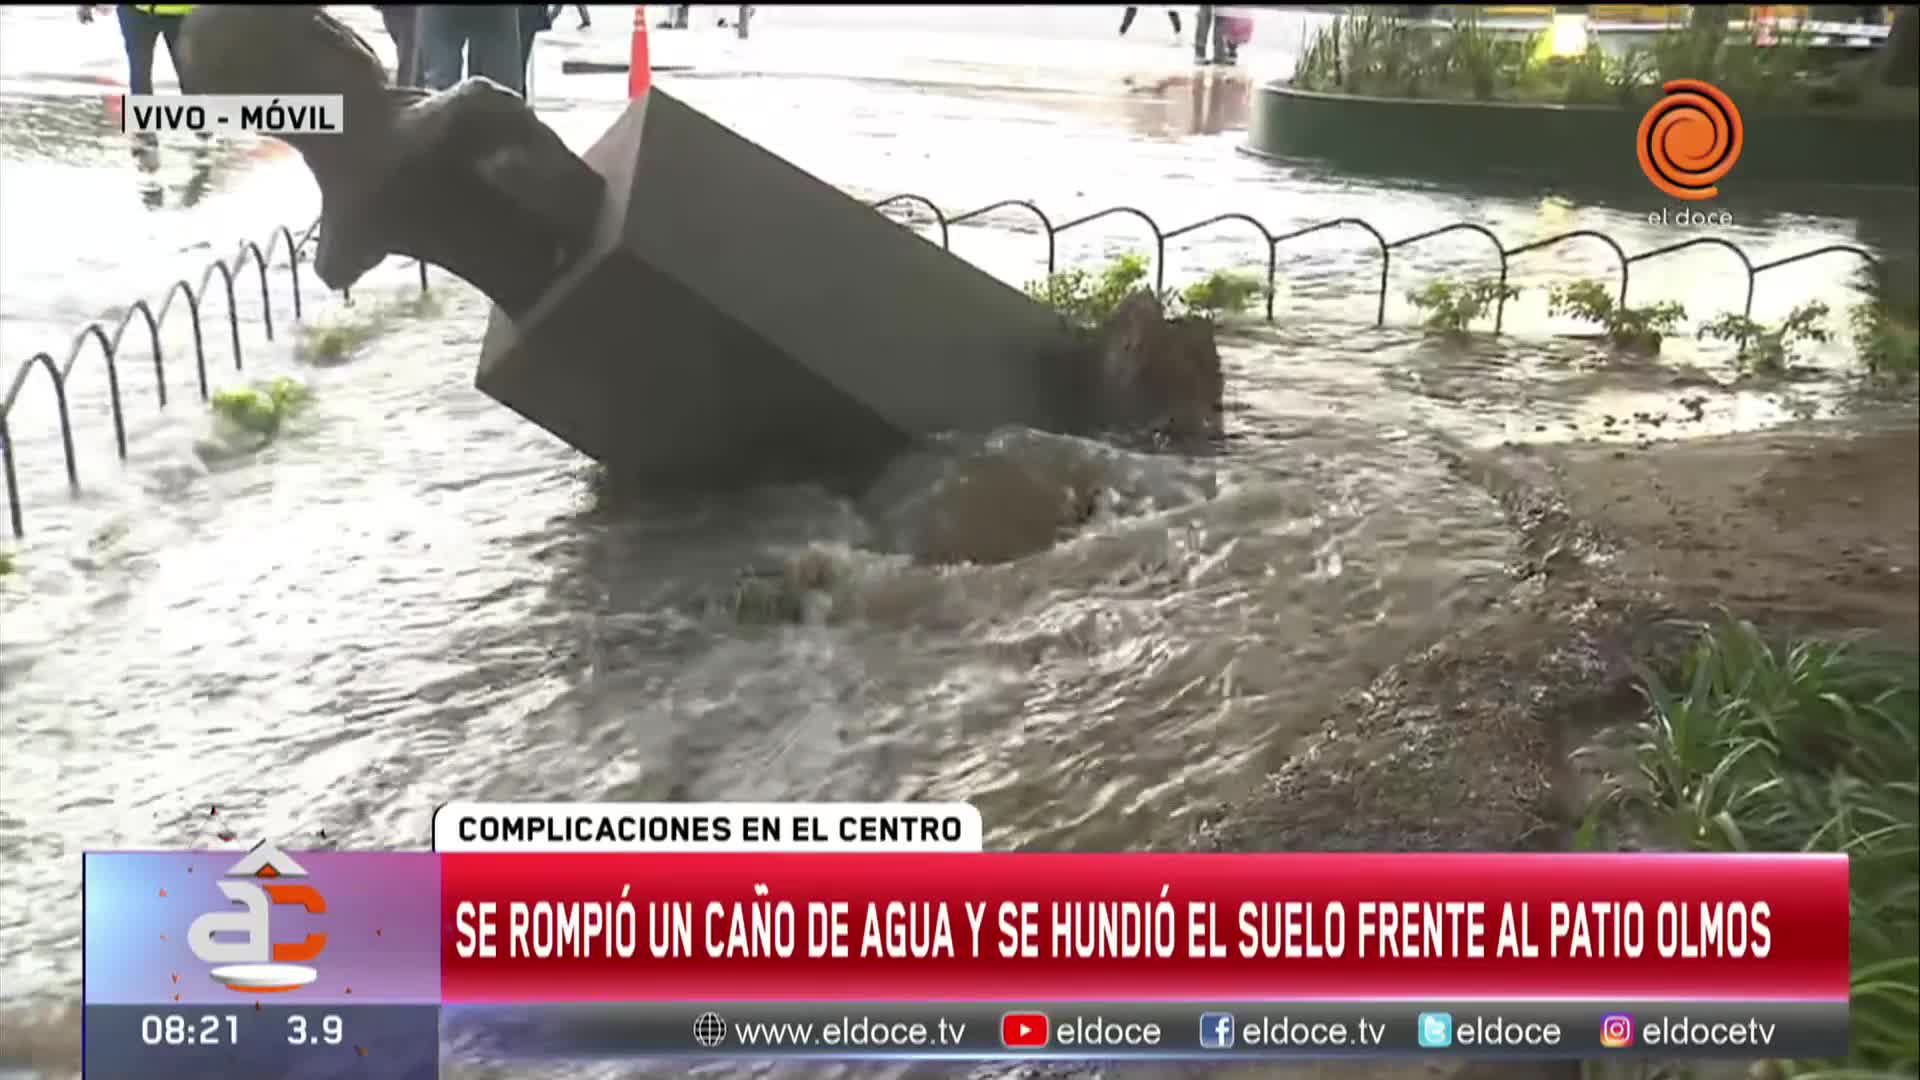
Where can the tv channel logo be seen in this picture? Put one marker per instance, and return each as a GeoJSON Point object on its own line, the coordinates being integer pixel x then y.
{"type": "Point", "coordinates": [1690, 139]}
{"type": "Point", "coordinates": [1616, 1031]}
{"type": "Point", "coordinates": [255, 963]}
{"type": "Point", "coordinates": [1216, 1031]}
{"type": "Point", "coordinates": [1436, 1030]}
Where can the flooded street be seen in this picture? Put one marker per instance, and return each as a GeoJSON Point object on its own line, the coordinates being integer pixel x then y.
{"type": "Point", "coordinates": [412, 595]}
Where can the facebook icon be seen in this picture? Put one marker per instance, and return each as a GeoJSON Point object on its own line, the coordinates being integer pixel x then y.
{"type": "Point", "coordinates": [1216, 1031]}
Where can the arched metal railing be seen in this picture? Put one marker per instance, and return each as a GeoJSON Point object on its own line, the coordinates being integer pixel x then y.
{"type": "Point", "coordinates": [60, 372]}
{"type": "Point", "coordinates": [1385, 247]}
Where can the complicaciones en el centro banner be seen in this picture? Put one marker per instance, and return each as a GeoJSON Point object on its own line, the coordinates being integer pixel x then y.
{"type": "Point", "coordinates": [664, 907]}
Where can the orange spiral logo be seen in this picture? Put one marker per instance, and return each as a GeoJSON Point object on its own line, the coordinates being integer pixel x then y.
{"type": "Point", "coordinates": [1690, 139]}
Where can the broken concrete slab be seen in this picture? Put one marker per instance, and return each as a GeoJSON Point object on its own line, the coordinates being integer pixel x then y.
{"type": "Point", "coordinates": [1149, 374]}
{"type": "Point", "coordinates": [683, 305]}
{"type": "Point", "coordinates": [736, 318]}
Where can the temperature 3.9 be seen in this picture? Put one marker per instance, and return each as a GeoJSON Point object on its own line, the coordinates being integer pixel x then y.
{"type": "Point", "coordinates": [301, 1033]}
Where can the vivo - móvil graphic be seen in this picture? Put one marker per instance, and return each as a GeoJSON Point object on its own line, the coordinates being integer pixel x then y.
{"type": "Point", "coordinates": [238, 942]}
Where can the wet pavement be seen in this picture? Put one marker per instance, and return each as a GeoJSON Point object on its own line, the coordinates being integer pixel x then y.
{"type": "Point", "coordinates": [412, 595]}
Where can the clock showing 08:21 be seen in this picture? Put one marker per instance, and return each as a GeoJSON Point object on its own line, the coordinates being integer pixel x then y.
{"type": "Point", "coordinates": [174, 1029]}
{"type": "Point", "coordinates": [223, 1029]}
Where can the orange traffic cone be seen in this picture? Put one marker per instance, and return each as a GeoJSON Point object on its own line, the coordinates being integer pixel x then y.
{"type": "Point", "coordinates": [639, 64]}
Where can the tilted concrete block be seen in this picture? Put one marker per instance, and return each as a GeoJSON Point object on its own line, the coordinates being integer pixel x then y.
{"type": "Point", "coordinates": [736, 319]}
{"type": "Point", "coordinates": [683, 305]}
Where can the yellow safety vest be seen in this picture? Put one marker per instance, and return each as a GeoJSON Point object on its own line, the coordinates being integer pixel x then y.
{"type": "Point", "coordinates": [164, 9]}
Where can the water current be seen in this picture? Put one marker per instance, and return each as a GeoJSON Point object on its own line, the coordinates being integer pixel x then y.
{"type": "Point", "coordinates": [412, 595]}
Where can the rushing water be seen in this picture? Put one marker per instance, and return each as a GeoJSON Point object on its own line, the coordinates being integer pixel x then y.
{"type": "Point", "coordinates": [412, 595]}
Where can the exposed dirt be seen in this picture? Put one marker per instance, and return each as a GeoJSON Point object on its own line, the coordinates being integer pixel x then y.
{"type": "Point", "coordinates": [1465, 746]}
{"type": "Point", "coordinates": [1812, 530]}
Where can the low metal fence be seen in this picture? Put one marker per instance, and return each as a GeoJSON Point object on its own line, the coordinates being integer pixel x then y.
{"type": "Point", "coordinates": [60, 372]}
{"type": "Point", "coordinates": [945, 222]}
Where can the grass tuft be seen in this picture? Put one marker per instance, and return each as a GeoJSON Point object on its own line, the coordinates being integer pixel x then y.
{"type": "Point", "coordinates": [1804, 746]}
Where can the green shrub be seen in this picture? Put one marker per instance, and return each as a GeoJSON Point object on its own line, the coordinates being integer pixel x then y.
{"type": "Point", "coordinates": [260, 409]}
{"type": "Point", "coordinates": [1889, 349]}
{"type": "Point", "coordinates": [1086, 299]}
{"type": "Point", "coordinates": [1373, 52]}
{"type": "Point", "coordinates": [1808, 746]}
{"type": "Point", "coordinates": [1884, 325]}
{"type": "Point", "coordinates": [1766, 348]}
{"type": "Point", "coordinates": [1222, 293]}
{"type": "Point", "coordinates": [7, 563]}
{"type": "Point", "coordinates": [1452, 307]}
{"type": "Point", "coordinates": [1636, 329]}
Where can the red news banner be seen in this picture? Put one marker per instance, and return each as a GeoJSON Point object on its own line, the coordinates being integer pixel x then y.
{"type": "Point", "coordinates": [966, 926]}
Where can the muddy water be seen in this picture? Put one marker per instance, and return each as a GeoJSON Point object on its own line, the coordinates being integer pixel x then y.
{"type": "Point", "coordinates": [412, 595]}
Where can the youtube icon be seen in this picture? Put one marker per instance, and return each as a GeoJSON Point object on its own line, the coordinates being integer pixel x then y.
{"type": "Point", "coordinates": [1023, 1030]}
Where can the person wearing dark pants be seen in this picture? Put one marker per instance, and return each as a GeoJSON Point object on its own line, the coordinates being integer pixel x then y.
{"type": "Point", "coordinates": [487, 35]}
{"type": "Point", "coordinates": [142, 28]}
{"type": "Point", "coordinates": [401, 20]}
{"type": "Point", "coordinates": [554, 11]}
{"type": "Point", "coordinates": [534, 19]}
{"type": "Point", "coordinates": [1208, 30]}
{"type": "Point", "coordinates": [1126, 20]}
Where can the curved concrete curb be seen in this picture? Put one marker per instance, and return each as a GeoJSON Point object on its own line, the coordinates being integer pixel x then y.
{"type": "Point", "coordinates": [1592, 142]}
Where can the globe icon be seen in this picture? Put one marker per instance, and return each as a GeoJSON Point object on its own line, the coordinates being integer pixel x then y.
{"type": "Point", "coordinates": [709, 1030]}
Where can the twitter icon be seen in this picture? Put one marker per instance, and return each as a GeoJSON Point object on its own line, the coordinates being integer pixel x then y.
{"type": "Point", "coordinates": [1436, 1030]}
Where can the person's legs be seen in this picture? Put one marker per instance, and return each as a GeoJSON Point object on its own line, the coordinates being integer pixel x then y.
{"type": "Point", "coordinates": [170, 31]}
{"type": "Point", "coordinates": [493, 44]}
{"type": "Point", "coordinates": [586, 19]}
{"type": "Point", "coordinates": [401, 20]}
{"type": "Point", "coordinates": [1173, 17]}
{"type": "Point", "coordinates": [1202, 31]}
{"type": "Point", "coordinates": [529, 29]}
{"type": "Point", "coordinates": [1126, 20]}
{"type": "Point", "coordinates": [139, 32]}
{"type": "Point", "coordinates": [442, 40]}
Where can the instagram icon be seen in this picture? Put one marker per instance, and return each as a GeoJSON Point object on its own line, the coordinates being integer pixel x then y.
{"type": "Point", "coordinates": [1616, 1031]}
